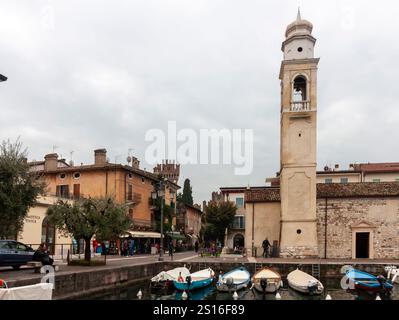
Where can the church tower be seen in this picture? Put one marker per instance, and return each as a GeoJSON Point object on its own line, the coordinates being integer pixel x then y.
{"type": "Point", "coordinates": [298, 75]}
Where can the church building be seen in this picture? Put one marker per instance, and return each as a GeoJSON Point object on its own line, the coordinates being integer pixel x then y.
{"type": "Point", "coordinates": [307, 219]}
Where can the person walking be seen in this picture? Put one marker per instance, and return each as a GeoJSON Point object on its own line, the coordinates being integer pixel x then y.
{"type": "Point", "coordinates": [196, 246]}
{"type": "Point", "coordinates": [266, 246]}
{"type": "Point", "coordinates": [170, 249]}
{"type": "Point", "coordinates": [131, 247]}
{"type": "Point", "coordinates": [125, 248]}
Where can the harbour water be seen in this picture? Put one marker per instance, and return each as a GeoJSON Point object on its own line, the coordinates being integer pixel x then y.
{"type": "Point", "coordinates": [332, 288]}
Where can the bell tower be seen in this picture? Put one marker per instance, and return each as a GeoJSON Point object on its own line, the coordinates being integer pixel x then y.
{"type": "Point", "coordinates": [298, 75]}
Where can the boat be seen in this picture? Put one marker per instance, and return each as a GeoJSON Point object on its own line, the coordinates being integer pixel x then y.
{"type": "Point", "coordinates": [233, 280]}
{"type": "Point", "coordinates": [164, 279]}
{"type": "Point", "coordinates": [361, 280]}
{"type": "Point", "coordinates": [40, 291]}
{"type": "Point", "coordinates": [266, 280]}
{"type": "Point", "coordinates": [196, 280]}
{"type": "Point", "coordinates": [304, 282]}
{"type": "Point", "coordinates": [392, 274]}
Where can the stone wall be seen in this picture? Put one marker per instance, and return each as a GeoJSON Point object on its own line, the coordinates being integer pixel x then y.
{"type": "Point", "coordinates": [379, 215]}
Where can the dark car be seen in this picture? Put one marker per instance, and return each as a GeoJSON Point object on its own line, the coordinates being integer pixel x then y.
{"type": "Point", "coordinates": [14, 254]}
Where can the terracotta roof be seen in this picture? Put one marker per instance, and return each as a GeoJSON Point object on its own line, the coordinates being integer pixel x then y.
{"type": "Point", "coordinates": [378, 167]}
{"type": "Point", "coordinates": [332, 190]}
{"type": "Point", "coordinates": [266, 194]}
{"type": "Point", "coordinates": [360, 189]}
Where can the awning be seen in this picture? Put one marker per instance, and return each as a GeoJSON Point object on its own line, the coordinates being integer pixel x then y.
{"type": "Point", "coordinates": [141, 234]}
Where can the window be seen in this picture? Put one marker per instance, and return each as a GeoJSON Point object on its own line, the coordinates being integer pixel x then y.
{"type": "Point", "coordinates": [376, 180]}
{"type": "Point", "coordinates": [344, 180]}
{"type": "Point", "coordinates": [239, 202]}
{"type": "Point", "coordinates": [62, 176]}
{"type": "Point", "coordinates": [62, 191]}
{"type": "Point", "coordinates": [299, 92]}
{"type": "Point", "coordinates": [300, 49]}
{"type": "Point", "coordinates": [76, 175]}
{"type": "Point", "coordinates": [130, 192]}
{"type": "Point", "coordinates": [142, 180]}
{"type": "Point", "coordinates": [328, 180]}
{"type": "Point", "coordinates": [130, 176]}
{"type": "Point", "coordinates": [239, 222]}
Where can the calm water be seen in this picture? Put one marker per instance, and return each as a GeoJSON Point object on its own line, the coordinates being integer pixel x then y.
{"type": "Point", "coordinates": [332, 287]}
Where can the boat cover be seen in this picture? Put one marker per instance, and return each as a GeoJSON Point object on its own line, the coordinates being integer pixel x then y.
{"type": "Point", "coordinates": [40, 291]}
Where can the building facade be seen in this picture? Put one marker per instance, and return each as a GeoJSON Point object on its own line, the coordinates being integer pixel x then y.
{"type": "Point", "coordinates": [127, 184]}
{"type": "Point", "coordinates": [351, 214]}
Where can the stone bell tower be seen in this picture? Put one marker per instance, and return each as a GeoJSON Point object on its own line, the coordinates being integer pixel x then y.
{"type": "Point", "coordinates": [298, 75]}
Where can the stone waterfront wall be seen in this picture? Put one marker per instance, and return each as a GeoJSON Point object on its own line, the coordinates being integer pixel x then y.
{"type": "Point", "coordinates": [380, 216]}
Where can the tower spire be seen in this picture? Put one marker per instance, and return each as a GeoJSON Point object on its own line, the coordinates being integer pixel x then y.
{"type": "Point", "coordinates": [298, 17]}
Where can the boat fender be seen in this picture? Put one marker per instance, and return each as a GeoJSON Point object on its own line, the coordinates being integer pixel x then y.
{"type": "Point", "coordinates": [3, 284]}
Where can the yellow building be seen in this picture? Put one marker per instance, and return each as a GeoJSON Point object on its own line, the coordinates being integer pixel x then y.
{"type": "Point", "coordinates": [127, 184]}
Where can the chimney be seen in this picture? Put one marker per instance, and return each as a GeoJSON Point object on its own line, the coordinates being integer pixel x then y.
{"type": "Point", "coordinates": [50, 162]}
{"type": "Point", "coordinates": [100, 156]}
{"type": "Point", "coordinates": [135, 163]}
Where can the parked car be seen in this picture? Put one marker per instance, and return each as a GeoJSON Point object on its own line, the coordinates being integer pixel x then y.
{"type": "Point", "coordinates": [14, 254]}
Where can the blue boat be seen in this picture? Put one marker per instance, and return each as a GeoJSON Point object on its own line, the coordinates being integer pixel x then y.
{"type": "Point", "coordinates": [360, 280]}
{"type": "Point", "coordinates": [234, 280]}
{"type": "Point", "coordinates": [196, 280]}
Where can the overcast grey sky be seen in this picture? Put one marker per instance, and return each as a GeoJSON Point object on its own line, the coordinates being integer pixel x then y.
{"type": "Point", "coordinates": [90, 74]}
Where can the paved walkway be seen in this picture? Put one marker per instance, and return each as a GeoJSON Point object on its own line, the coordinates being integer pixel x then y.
{"type": "Point", "coordinates": [113, 261]}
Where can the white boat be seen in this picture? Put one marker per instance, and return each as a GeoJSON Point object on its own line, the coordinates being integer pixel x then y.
{"type": "Point", "coordinates": [233, 280]}
{"type": "Point", "coordinates": [392, 273]}
{"type": "Point", "coordinates": [40, 291]}
{"type": "Point", "coordinates": [266, 280]}
{"type": "Point", "coordinates": [304, 282]}
{"type": "Point", "coordinates": [165, 279]}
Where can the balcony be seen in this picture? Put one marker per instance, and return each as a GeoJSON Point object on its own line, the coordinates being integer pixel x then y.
{"type": "Point", "coordinates": [298, 106]}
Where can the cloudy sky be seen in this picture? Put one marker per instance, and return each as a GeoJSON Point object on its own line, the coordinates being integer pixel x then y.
{"type": "Point", "coordinates": [90, 74]}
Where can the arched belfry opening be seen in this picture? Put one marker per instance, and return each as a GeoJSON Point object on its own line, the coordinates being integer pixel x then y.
{"type": "Point", "coordinates": [299, 93]}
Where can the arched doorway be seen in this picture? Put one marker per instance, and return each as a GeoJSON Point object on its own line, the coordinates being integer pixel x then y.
{"type": "Point", "coordinates": [238, 240]}
{"type": "Point", "coordinates": [48, 235]}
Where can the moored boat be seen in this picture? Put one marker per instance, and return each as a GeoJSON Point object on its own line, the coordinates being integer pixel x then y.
{"type": "Point", "coordinates": [266, 280]}
{"type": "Point", "coordinates": [304, 282]}
{"type": "Point", "coordinates": [393, 273]}
{"type": "Point", "coordinates": [196, 280]}
{"type": "Point", "coordinates": [40, 291]}
{"type": "Point", "coordinates": [234, 280]}
{"type": "Point", "coordinates": [361, 280]}
{"type": "Point", "coordinates": [164, 279]}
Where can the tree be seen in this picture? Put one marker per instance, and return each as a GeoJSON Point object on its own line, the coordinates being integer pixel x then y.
{"type": "Point", "coordinates": [85, 218]}
{"type": "Point", "coordinates": [218, 216]}
{"type": "Point", "coordinates": [187, 197]}
{"type": "Point", "coordinates": [19, 188]}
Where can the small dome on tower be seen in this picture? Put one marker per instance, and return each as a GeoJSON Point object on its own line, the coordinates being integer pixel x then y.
{"type": "Point", "coordinates": [299, 27]}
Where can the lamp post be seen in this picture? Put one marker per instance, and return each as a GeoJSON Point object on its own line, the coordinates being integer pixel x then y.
{"type": "Point", "coordinates": [160, 192]}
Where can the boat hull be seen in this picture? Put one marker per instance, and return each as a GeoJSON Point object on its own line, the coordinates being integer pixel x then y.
{"type": "Point", "coordinates": [196, 284]}
{"type": "Point", "coordinates": [240, 278]}
{"type": "Point", "coordinates": [305, 283]}
{"type": "Point", "coordinates": [273, 280]}
{"type": "Point", "coordinates": [367, 282]}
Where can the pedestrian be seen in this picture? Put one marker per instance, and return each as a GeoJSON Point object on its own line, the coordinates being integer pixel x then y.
{"type": "Point", "coordinates": [95, 245]}
{"type": "Point", "coordinates": [196, 246]}
{"type": "Point", "coordinates": [170, 249]}
{"type": "Point", "coordinates": [266, 245]}
{"type": "Point", "coordinates": [42, 255]}
{"type": "Point", "coordinates": [131, 247]}
{"type": "Point", "coordinates": [125, 248]}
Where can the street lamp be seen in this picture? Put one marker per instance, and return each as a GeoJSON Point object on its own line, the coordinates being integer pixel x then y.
{"type": "Point", "coordinates": [3, 78]}
{"type": "Point", "coordinates": [160, 192]}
